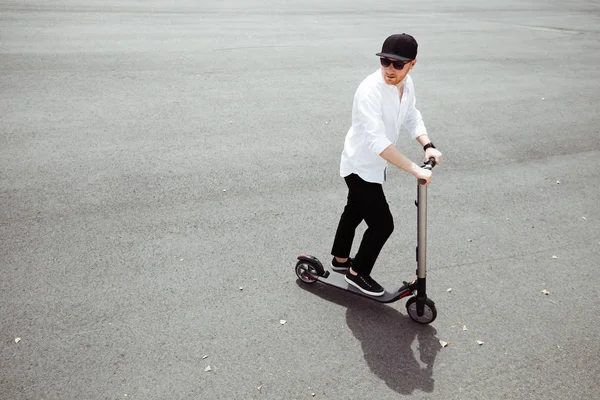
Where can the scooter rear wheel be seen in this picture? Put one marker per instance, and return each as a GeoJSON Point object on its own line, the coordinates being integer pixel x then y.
{"type": "Point", "coordinates": [306, 271]}
{"type": "Point", "coordinates": [429, 312]}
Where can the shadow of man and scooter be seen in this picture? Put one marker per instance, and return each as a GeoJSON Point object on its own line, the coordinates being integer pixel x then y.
{"type": "Point", "coordinates": [389, 339]}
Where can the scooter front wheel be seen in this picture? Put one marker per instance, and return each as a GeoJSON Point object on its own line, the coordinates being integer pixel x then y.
{"type": "Point", "coordinates": [429, 311]}
{"type": "Point", "coordinates": [307, 271]}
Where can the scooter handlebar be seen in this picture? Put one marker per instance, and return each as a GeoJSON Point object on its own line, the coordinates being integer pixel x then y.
{"type": "Point", "coordinates": [429, 164]}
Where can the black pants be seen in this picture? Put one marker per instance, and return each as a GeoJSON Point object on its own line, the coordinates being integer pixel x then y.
{"type": "Point", "coordinates": [366, 201]}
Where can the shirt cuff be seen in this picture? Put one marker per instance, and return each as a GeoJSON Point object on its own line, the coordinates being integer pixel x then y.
{"type": "Point", "coordinates": [380, 145]}
{"type": "Point", "coordinates": [418, 131]}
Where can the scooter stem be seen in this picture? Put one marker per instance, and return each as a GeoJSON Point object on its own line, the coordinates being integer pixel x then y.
{"type": "Point", "coordinates": [422, 223]}
{"type": "Point", "coordinates": [422, 241]}
{"type": "Point", "coordinates": [422, 231]}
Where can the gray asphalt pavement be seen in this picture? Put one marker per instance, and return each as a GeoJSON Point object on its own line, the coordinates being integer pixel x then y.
{"type": "Point", "coordinates": [162, 164]}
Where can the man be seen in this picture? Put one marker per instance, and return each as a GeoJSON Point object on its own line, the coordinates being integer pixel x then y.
{"type": "Point", "coordinates": [383, 102]}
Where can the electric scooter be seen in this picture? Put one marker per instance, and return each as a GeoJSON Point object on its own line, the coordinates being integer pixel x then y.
{"type": "Point", "coordinates": [420, 308]}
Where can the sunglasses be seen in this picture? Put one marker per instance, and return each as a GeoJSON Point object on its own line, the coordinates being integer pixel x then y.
{"type": "Point", "coordinates": [398, 65]}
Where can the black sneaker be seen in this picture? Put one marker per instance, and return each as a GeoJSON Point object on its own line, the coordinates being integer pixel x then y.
{"type": "Point", "coordinates": [365, 284]}
{"type": "Point", "coordinates": [341, 267]}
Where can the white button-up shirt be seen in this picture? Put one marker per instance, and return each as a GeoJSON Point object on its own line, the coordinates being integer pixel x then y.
{"type": "Point", "coordinates": [377, 115]}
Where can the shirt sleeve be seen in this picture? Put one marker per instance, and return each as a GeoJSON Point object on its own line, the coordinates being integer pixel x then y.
{"type": "Point", "coordinates": [369, 114]}
{"type": "Point", "coordinates": [414, 121]}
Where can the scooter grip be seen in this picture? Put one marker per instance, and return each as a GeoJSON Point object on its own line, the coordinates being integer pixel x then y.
{"type": "Point", "coordinates": [429, 164]}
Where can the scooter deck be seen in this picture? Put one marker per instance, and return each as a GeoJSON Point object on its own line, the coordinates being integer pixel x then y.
{"type": "Point", "coordinates": [337, 280]}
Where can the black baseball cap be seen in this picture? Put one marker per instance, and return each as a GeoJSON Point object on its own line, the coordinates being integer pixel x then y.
{"type": "Point", "coordinates": [400, 47]}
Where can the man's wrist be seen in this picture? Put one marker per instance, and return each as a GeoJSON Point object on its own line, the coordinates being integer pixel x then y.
{"type": "Point", "coordinates": [414, 169]}
{"type": "Point", "coordinates": [428, 146]}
